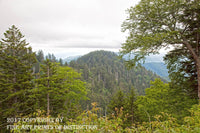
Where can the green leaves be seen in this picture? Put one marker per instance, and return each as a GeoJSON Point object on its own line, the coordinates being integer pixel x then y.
{"type": "Point", "coordinates": [161, 98]}
{"type": "Point", "coordinates": [153, 25]}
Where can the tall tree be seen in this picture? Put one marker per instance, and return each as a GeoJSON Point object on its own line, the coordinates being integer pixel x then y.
{"type": "Point", "coordinates": [156, 24]}
{"type": "Point", "coordinates": [40, 56]}
{"type": "Point", "coordinates": [47, 79]}
{"type": "Point", "coordinates": [62, 89]}
{"type": "Point", "coordinates": [61, 62]}
{"type": "Point", "coordinates": [131, 107]}
{"type": "Point", "coordinates": [40, 59]}
{"type": "Point", "coordinates": [16, 75]}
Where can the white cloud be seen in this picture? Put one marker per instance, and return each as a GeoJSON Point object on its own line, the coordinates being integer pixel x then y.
{"type": "Point", "coordinates": [67, 23]}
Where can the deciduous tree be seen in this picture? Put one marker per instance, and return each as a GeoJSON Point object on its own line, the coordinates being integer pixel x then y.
{"type": "Point", "coordinates": [156, 24]}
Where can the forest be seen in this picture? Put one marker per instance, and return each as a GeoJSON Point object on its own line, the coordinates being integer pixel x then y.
{"type": "Point", "coordinates": [101, 91]}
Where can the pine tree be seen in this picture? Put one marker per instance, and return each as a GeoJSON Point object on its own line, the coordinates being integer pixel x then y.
{"type": "Point", "coordinates": [40, 56]}
{"type": "Point", "coordinates": [60, 89]}
{"type": "Point", "coordinates": [45, 83]}
{"type": "Point", "coordinates": [117, 102]}
{"type": "Point", "coordinates": [16, 61]}
{"type": "Point", "coordinates": [131, 107]}
{"type": "Point", "coordinates": [61, 62]}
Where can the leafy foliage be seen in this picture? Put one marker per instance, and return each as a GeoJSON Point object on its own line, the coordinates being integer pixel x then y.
{"type": "Point", "coordinates": [153, 25]}
{"type": "Point", "coordinates": [162, 123]}
{"type": "Point", "coordinates": [161, 98]}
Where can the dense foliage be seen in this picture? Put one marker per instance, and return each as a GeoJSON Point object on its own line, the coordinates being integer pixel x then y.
{"type": "Point", "coordinates": [16, 76]}
{"type": "Point", "coordinates": [62, 88]}
{"type": "Point", "coordinates": [97, 89]}
{"type": "Point", "coordinates": [163, 123]}
{"type": "Point", "coordinates": [27, 86]}
{"type": "Point", "coordinates": [105, 74]}
{"type": "Point", "coordinates": [156, 24]}
{"type": "Point", "coordinates": [182, 71]}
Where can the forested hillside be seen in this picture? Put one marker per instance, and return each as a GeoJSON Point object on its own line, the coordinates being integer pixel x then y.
{"type": "Point", "coordinates": [104, 70]}
{"type": "Point", "coordinates": [152, 63]}
{"type": "Point", "coordinates": [105, 74]}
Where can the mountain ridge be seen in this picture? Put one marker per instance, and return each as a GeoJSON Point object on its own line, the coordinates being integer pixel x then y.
{"type": "Point", "coordinates": [153, 63]}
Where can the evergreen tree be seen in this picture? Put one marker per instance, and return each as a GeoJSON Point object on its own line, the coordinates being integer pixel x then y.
{"type": "Point", "coordinates": [40, 59]}
{"type": "Point", "coordinates": [61, 62]}
{"type": "Point", "coordinates": [51, 57]}
{"type": "Point", "coordinates": [46, 82]}
{"type": "Point", "coordinates": [62, 89]}
{"type": "Point", "coordinates": [131, 107]}
{"type": "Point", "coordinates": [65, 64]}
{"type": "Point", "coordinates": [117, 102]}
{"type": "Point", "coordinates": [40, 56]}
{"type": "Point", "coordinates": [16, 75]}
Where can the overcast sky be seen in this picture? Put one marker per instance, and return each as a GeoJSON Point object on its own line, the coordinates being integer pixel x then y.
{"type": "Point", "coordinates": [67, 27]}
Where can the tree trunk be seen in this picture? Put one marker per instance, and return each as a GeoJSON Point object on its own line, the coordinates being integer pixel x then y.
{"type": "Point", "coordinates": [197, 62]}
{"type": "Point", "coordinates": [14, 82]}
{"type": "Point", "coordinates": [132, 120]}
{"type": "Point", "coordinates": [48, 112]}
{"type": "Point", "coordinates": [47, 104]}
{"type": "Point", "coordinates": [198, 78]}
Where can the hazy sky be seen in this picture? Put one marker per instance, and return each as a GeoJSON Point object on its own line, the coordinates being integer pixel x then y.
{"type": "Point", "coordinates": [67, 27]}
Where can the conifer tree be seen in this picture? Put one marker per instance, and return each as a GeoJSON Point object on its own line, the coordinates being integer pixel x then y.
{"type": "Point", "coordinates": [46, 80]}
{"type": "Point", "coordinates": [60, 89]}
{"type": "Point", "coordinates": [131, 107]}
{"type": "Point", "coordinates": [117, 102]}
{"type": "Point", "coordinates": [40, 56]}
{"type": "Point", "coordinates": [61, 62]}
{"type": "Point", "coordinates": [16, 75]}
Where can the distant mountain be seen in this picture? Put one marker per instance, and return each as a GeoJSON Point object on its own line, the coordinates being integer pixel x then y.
{"type": "Point", "coordinates": [155, 64]}
{"type": "Point", "coordinates": [158, 67]}
{"type": "Point", "coordinates": [150, 58]}
{"type": "Point", "coordinates": [71, 58]}
{"type": "Point", "coordinates": [105, 74]}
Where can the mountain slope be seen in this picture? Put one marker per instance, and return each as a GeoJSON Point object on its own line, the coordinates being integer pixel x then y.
{"type": "Point", "coordinates": [153, 63]}
{"type": "Point", "coordinates": [158, 67]}
{"type": "Point", "coordinates": [105, 74]}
